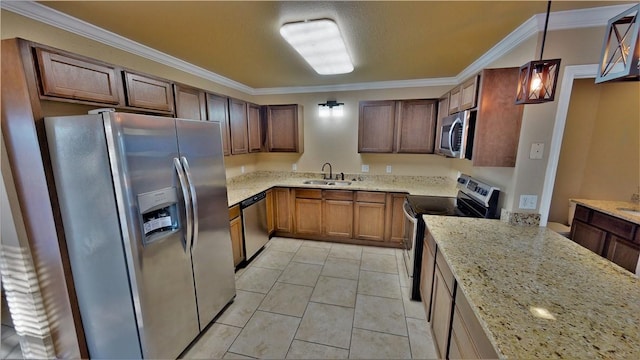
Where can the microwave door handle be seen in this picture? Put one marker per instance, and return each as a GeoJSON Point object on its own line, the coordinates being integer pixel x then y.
{"type": "Point", "coordinates": [187, 202]}
{"type": "Point", "coordinates": [451, 131]}
{"type": "Point", "coordinates": [194, 202]}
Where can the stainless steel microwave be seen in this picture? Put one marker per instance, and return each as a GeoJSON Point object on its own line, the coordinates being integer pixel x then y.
{"type": "Point", "coordinates": [455, 137]}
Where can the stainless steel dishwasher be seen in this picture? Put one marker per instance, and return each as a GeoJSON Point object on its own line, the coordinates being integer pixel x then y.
{"type": "Point", "coordinates": [254, 223]}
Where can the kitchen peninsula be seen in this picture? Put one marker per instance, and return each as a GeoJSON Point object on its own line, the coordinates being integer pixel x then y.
{"type": "Point", "coordinates": [537, 294]}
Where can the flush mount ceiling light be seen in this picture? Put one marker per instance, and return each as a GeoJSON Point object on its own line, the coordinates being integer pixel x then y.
{"type": "Point", "coordinates": [320, 44]}
{"type": "Point", "coordinates": [537, 80]}
{"type": "Point", "coordinates": [331, 108]}
{"type": "Point", "coordinates": [620, 58]}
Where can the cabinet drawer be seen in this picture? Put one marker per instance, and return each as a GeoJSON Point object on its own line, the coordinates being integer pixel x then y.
{"type": "Point", "coordinates": [72, 78]}
{"type": "Point", "coordinates": [234, 212]}
{"type": "Point", "coordinates": [338, 195]}
{"type": "Point", "coordinates": [429, 242]}
{"type": "Point", "coordinates": [447, 275]}
{"type": "Point", "coordinates": [467, 333]}
{"type": "Point", "coordinates": [368, 196]}
{"type": "Point", "coordinates": [613, 225]}
{"type": "Point", "coordinates": [309, 193]}
{"type": "Point", "coordinates": [582, 213]}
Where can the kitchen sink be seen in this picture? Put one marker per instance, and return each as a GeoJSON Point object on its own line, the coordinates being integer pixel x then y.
{"type": "Point", "coordinates": [316, 182]}
{"type": "Point", "coordinates": [339, 183]}
{"type": "Point", "coordinates": [630, 211]}
{"type": "Point", "coordinates": [327, 182]}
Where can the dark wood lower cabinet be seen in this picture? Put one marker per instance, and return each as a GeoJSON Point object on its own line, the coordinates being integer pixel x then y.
{"type": "Point", "coordinates": [588, 236]}
{"type": "Point", "coordinates": [613, 238]}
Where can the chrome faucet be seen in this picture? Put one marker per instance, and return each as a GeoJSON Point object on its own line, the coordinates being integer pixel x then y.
{"type": "Point", "coordinates": [330, 173]}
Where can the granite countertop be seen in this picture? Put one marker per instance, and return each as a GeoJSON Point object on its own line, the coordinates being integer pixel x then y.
{"type": "Point", "coordinates": [538, 294]}
{"type": "Point", "coordinates": [613, 208]}
{"type": "Point", "coordinates": [244, 186]}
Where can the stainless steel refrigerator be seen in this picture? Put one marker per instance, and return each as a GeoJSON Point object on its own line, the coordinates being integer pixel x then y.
{"type": "Point", "coordinates": [144, 208]}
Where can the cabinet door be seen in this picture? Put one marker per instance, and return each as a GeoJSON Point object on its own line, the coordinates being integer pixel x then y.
{"type": "Point", "coordinates": [282, 128]}
{"type": "Point", "coordinates": [338, 218]}
{"type": "Point", "coordinates": [218, 109]}
{"type": "Point", "coordinates": [271, 224]}
{"type": "Point", "coordinates": [148, 93]}
{"type": "Point", "coordinates": [469, 94]}
{"type": "Point", "coordinates": [441, 305]}
{"type": "Point", "coordinates": [454, 100]}
{"type": "Point", "coordinates": [255, 133]}
{"type": "Point", "coordinates": [428, 267]}
{"type": "Point", "coordinates": [190, 103]}
{"type": "Point", "coordinates": [238, 126]}
{"type": "Point", "coordinates": [376, 126]}
{"type": "Point", "coordinates": [588, 236]}
{"type": "Point", "coordinates": [308, 216]}
{"type": "Point", "coordinates": [623, 253]}
{"type": "Point", "coordinates": [416, 122]}
{"type": "Point", "coordinates": [236, 240]}
{"type": "Point", "coordinates": [78, 79]}
{"type": "Point", "coordinates": [369, 221]}
{"type": "Point", "coordinates": [282, 210]}
{"type": "Point", "coordinates": [395, 218]}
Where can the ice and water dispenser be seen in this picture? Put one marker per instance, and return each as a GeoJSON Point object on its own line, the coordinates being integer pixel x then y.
{"type": "Point", "coordinates": [159, 213]}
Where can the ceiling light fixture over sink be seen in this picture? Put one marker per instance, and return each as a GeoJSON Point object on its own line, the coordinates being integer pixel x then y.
{"type": "Point", "coordinates": [320, 44]}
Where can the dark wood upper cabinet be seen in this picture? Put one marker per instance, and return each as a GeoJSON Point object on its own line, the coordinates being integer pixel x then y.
{"type": "Point", "coordinates": [190, 103]}
{"type": "Point", "coordinates": [416, 120]}
{"type": "Point", "coordinates": [148, 93]}
{"type": "Point", "coordinates": [238, 126]}
{"type": "Point", "coordinates": [77, 78]}
{"type": "Point", "coordinates": [464, 96]}
{"type": "Point", "coordinates": [218, 110]}
{"type": "Point", "coordinates": [498, 119]}
{"type": "Point", "coordinates": [397, 126]}
{"type": "Point", "coordinates": [284, 134]}
{"type": "Point", "coordinates": [376, 126]}
{"type": "Point", "coordinates": [254, 128]}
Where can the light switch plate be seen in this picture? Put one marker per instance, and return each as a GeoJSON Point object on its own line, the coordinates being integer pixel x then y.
{"type": "Point", "coordinates": [388, 169]}
{"type": "Point", "coordinates": [528, 202]}
{"type": "Point", "coordinates": [241, 169]}
{"type": "Point", "coordinates": [537, 150]}
{"type": "Point", "coordinates": [294, 167]}
{"type": "Point", "coordinates": [365, 168]}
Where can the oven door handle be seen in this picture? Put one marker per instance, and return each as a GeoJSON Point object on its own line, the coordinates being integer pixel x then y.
{"type": "Point", "coordinates": [406, 213]}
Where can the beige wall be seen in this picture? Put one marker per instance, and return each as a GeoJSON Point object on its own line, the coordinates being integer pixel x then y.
{"type": "Point", "coordinates": [600, 156]}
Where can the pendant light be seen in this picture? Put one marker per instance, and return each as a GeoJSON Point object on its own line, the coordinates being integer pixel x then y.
{"type": "Point", "coordinates": [620, 59]}
{"type": "Point", "coordinates": [538, 79]}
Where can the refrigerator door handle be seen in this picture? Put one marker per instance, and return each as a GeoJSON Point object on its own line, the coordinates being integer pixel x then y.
{"type": "Point", "coordinates": [194, 202]}
{"type": "Point", "coordinates": [187, 202]}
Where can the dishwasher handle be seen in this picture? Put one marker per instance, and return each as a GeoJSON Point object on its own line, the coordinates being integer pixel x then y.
{"type": "Point", "coordinates": [252, 200]}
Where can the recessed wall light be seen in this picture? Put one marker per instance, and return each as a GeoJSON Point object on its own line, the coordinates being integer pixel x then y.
{"type": "Point", "coordinates": [320, 44]}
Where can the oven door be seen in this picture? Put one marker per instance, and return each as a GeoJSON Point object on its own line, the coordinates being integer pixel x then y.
{"type": "Point", "coordinates": [409, 238]}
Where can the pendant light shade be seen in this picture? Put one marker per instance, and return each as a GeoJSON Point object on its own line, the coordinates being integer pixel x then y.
{"type": "Point", "coordinates": [620, 59]}
{"type": "Point", "coordinates": [538, 79]}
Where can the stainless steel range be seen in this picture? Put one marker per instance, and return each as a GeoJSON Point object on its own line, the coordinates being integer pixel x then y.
{"type": "Point", "coordinates": [475, 199]}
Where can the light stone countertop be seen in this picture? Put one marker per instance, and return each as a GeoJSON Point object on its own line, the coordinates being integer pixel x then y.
{"type": "Point", "coordinates": [613, 208]}
{"type": "Point", "coordinates": [243, 187]}
{"type": "Point", "coordinates": [509, 272]}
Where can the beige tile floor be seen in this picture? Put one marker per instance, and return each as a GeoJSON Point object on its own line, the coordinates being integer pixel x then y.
{"type": "Point", "coordinates": [303, 299]}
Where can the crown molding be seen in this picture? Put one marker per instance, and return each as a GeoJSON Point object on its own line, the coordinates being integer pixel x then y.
{"type": "Point", "coordinates": [557, 21]}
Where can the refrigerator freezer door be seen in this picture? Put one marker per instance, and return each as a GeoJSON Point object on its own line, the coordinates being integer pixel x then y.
{"type": "Point", "coordinates": [84, 186]}
{"type": "Point", "coordinates": [142, 150]}
{"type": "Point", "coordinates": [201, 149]}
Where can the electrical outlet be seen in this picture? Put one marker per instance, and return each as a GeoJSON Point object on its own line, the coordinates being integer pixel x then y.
{"type": "Point", "coordinates": [294, 167]}
{"type": "Point", "coordinates": [365, 168]}
{"type": "Point", "coordinates": [388, 169]}
{"type": "Point", "coordinates": [241, 169]}
{"type": "Point", "coordinates": [528, 202]}
{"type": "Point", "coordinates": [537, 150]}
